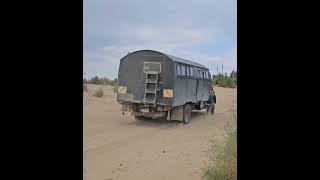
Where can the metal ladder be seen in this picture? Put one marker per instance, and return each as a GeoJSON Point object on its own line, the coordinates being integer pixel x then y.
{"type": "Point", "coordinates": [151, 86]}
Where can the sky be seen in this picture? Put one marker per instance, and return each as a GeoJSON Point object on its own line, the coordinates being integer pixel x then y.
{"type": "Point", "coordinates": [204, 31]}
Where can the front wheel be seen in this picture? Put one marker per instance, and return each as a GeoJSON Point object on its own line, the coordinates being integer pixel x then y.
{"type": "Point", "coordinates": [187, 114]}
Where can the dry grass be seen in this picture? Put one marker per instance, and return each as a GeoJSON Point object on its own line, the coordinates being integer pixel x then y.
{"type": "Point", "coordinates": [85, 88]}
{"type": "Point", "coordinates": [223, 158]}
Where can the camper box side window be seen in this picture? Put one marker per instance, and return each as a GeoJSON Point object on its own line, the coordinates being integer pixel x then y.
{"type": "Point", "coordinates": [178, 69]}
{"type": "Point", "coordinates": [187, 71]}
{"type": "Point", "coordinates": [183, 70]}
{"type": "Point", "coordinates": [191, 71]}
{"type": "Point", "coordinates": [200, 74]}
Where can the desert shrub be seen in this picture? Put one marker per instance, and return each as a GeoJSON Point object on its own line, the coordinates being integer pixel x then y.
{"type": "Point", "coordinates": [115, 89]}
{"type": "Point", "coordinates": [98, 93]}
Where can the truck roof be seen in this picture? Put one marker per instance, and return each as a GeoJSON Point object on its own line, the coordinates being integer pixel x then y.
{"type": "Point", "coordinates": [176, 59]}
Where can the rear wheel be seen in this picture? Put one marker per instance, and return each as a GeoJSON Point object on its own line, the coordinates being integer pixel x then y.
{"type": "Point", "coordinates": [211, 109]}
{"type": "Point", "coordinates": [187, 114]}
{"type": "Point", "coordinates": [138, 118]}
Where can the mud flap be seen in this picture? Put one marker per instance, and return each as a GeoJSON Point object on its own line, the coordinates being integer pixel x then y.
{"type": "Point", "coordinates": [177, 113]}
{"type": "Point", "coordinates": [169, 115]}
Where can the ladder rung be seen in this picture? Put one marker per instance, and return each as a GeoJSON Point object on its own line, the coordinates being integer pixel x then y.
{"type": "Point", "coordinates": [151, 79]}
{"type": "Point", "coordinates": [150, 92]}
{"type": "Point", "coordinates": [150, 101]}
{"type": "Point", "coordinates": [154, 82]}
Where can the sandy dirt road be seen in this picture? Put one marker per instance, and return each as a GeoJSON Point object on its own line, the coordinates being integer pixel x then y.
{"type": "Point", "coordinates": [117, 147]}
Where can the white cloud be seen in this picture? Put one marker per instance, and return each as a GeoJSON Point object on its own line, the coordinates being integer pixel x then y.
{"type": "Point", "coordinates": [113, 28]}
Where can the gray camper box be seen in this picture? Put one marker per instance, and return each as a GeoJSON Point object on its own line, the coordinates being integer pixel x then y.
{"type": "Point", "coordinates": [156, 85]}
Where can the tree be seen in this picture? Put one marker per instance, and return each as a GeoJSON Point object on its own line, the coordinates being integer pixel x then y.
{"type": "Point", "coordinates": [95, 80]}
{"type": "Point", "coordinates": [233, 75]}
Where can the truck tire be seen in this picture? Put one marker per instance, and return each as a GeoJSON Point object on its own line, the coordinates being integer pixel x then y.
{"type": "Point", "coordinates": [187, 114]}
{"type": "Point", "coordinates": [138, 118]}
{"type": "Point", "coordinates": [211, 109]}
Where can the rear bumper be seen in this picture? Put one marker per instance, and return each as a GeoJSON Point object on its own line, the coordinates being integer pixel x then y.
{"type": "Point", "coordinates": [142, 103]}
{"type": "Point", "coordinates": [150, 114]}
{"type": "Point", "coordinates": [139, 109]}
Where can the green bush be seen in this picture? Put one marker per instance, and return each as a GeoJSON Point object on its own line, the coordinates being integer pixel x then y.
{"type": "Point", "coordinates": [102, 81]}
{"type": "Point", "coordinates": [98, 93]}
{"type": "Point", "coordinates": [95, 80]}
{"type": "Point", "coordinates": [225, 80]}
{"type": "Point", "coordinates": [115, 82]}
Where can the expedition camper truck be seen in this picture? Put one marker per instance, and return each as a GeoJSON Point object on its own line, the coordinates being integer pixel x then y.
{"type": "Point", "coordinates": [152, 84]}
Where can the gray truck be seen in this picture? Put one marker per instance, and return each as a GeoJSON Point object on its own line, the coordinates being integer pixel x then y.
{"type": "Point", "coordinates": [152, 84]}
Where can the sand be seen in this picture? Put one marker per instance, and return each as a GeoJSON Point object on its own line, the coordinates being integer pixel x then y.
{"type": "Point", "coordinates": [117, 147]}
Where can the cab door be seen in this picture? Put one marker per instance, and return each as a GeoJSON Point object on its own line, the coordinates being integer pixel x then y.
{"type": "Point", "coordinates": [206, 86]}
{"type": "Point", "coordinates": [199, 85]}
